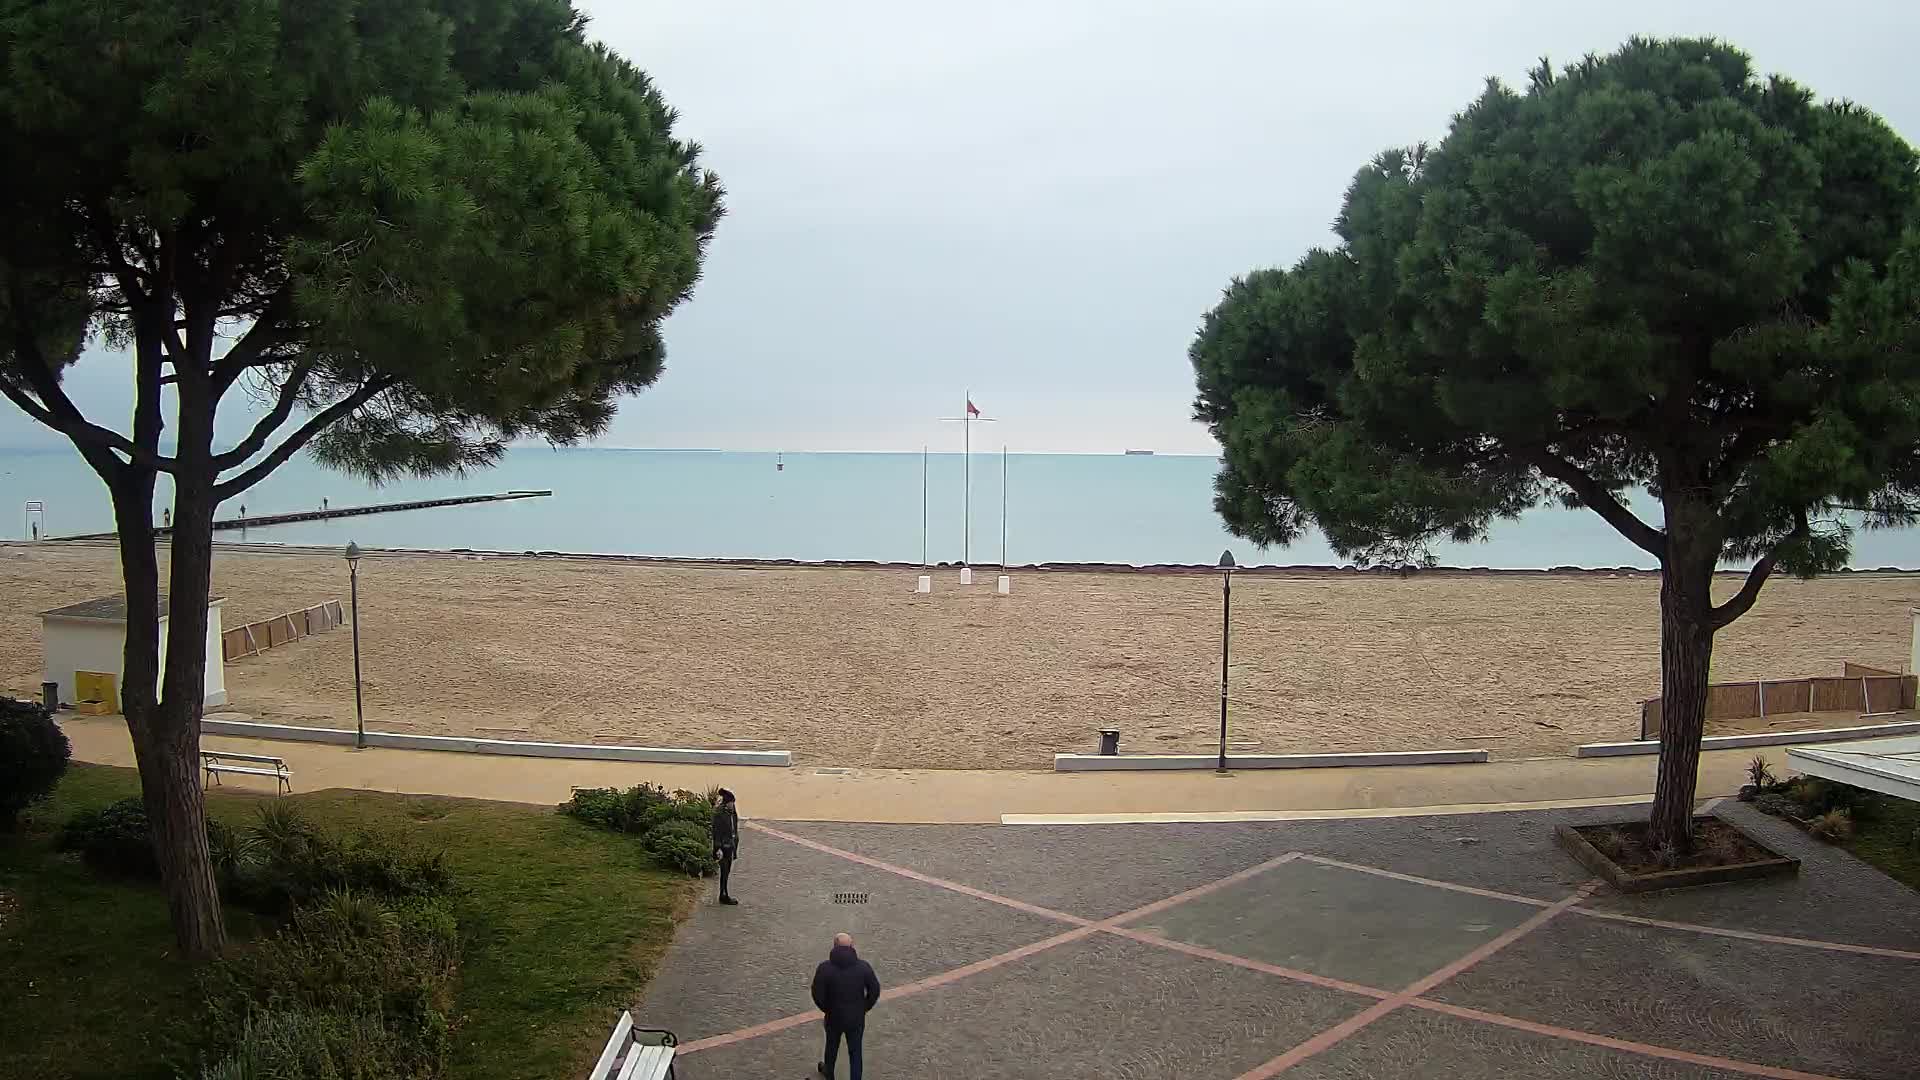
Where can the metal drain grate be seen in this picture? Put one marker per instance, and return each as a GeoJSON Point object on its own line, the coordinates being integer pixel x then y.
{"type": "Point", "coordinates": [850, 897]}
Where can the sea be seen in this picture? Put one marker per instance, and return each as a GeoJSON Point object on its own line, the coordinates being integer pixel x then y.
{"type": "Point", "coordinates": [1138, 509]}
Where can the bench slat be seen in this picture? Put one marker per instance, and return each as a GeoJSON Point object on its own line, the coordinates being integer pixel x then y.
{"type": "Point", "coordinates": [647, 1063]}
{"type": "Point", "coordinates": [244, 769]}
{"type": "Point", "coordinates": [621, 1032]}
{"type": "Point", "coordinates": [227, 756]}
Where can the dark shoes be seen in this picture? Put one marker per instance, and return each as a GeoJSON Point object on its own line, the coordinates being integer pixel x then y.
{"type": "Point", "coordinates": [729, 901]}
{"type": "Point", "coordinates": [823, 1070]}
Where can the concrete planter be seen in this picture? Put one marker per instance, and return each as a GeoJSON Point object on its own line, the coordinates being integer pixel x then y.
{"type": "Point", "coordinates": [1591, 857]}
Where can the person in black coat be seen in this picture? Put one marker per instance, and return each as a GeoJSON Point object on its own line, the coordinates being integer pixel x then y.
{"type": "Point", "coordinates": [846, 990]}
{"type": "Point", "coordinates": [726, 840]}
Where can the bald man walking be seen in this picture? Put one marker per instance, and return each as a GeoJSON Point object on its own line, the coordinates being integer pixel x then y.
{"type": "Point", "coordinates": [846, 990]}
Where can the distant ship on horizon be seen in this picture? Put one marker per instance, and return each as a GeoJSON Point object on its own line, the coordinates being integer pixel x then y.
{"type": "Point", "coordinates": [1139, 453]}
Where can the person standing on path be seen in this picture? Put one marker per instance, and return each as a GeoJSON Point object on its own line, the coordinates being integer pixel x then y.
{"type": "Point", "coordinates": [846, 990]}
{"type": "Point", "coordinates": [726, 840]}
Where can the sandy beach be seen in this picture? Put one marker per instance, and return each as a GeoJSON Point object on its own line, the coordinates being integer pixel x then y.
{"type": "Point", "coordinates": [848, 667]}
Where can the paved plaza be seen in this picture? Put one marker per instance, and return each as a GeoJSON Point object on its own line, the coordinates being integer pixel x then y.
{"type": "Point", "coordinates": [1459, 947]}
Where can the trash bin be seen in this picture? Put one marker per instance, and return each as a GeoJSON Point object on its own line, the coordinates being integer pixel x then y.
{"type": "Point", "coordinates": [50, 695]}
{"type": "Point", "coordinates": [1109, 741]}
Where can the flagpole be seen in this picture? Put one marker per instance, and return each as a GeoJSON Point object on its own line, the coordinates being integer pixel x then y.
{"type": "Point", "coordinates": [1003, 508]}
{"type": "Point", "coordinates": [966, 484]}
{"type": "Point", "coordinates": [923, 506]}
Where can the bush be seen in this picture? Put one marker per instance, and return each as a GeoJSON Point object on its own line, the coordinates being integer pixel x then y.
{"type": "Point", "coordinates": [115, 839]}
{"type": "Point", "coordinates": [682, 846]}
{"type": "Point", "coordinates": [609, 808]}
{"type": "Point", "coordinates": [1834, 826]}
{"type": "Point", "coordinates": [1759, 773]}
{"type": "Point", "coordinates": [33, 756]}
{"type": "Point", "coordinates": [1777, 804]}
{"type": "Point", "coordinates": [356, 987]}
{"type": "Point", "coordinates": [289, 863]}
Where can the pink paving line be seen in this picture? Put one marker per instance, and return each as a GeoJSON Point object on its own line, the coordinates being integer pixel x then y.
{"type": "Point", "coordinates": [1648, 1050]}
{"type": "Point", "coordinates": [1430, 882]}
{"type": "Point", "coordinates": [1338, 1033]}
{"type": "Point", "coordinates": [892, 993]}
{"type": "Point", "coordinates": [925, 879]}
{"type": "Point", "coordinates": [1591, 913]}
{"type": "Point", "coordinates": [1084, 928]}
{"type": "Point", "coordinates": [1252, 965]}
{"type": "Point", "coordinates": [1749, 935]}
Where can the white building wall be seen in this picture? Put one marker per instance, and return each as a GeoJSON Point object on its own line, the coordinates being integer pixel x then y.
{"type": "Point", "coordinates": [73, 645]}
{"type": "Point", "coordinates": [80, 645]}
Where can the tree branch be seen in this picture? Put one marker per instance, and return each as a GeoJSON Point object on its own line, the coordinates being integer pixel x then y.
{"type": "Point", "coordinates": [264, 334]}
{"type": "Point", "coordinates": [1742, 602]}
{"type": "Point", "coordinates": [1600, 501]}
{"type": "Point", "coordinates": [56, 410]}
{"type": "Point", "coordinates": [270, 423]}
{"type": "Point", "coordinates": [314, 426]}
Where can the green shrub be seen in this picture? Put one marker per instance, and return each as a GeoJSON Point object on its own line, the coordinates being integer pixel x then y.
{"type": "Point", "coordinates": [33, 756]}
{"type": "Point", "coordinates": [298, 1044]}
{"type": "Point", "coordinates": [1777, 804]}
{"type": "Point", "coordinates": [626, 811]}
{"type": "Point", "coordinates": [1759, 773]}
{"type": "Point", "coordinates": [682, 846]}
{"type": "Point", "coordinates": [356, 985]}
{"type": "Point", "coordinates": [681, 806]}
{"type": "Point", "coordinates": [287, 863]}
{"type": "Point", "coordinates": [114, 839]}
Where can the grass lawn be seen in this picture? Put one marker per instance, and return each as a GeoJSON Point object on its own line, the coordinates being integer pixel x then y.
{"type": "Point", "coordinates": [1890, 838]}
{"type": "Point", "coordinates": [564, 924]}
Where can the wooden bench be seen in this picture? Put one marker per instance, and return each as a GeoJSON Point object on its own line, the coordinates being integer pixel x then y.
{"type": "Point", "coordinates": [216, 762]}
{"type": "Point", "coordinates": [628, 1058]}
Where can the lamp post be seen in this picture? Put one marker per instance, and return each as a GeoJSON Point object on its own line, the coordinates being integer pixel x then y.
{"type": "Point", "coordinates": [1226, 631]}
{"type": "Point", "coordinates": [359, 711]}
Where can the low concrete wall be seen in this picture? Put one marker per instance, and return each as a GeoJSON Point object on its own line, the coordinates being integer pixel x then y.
{"type": "Point", "coordinates": [1127, 762]}
{"type": "Point", "coordinates": [1736, 742]}
{"type": "Point", "coordinates": [389, 740]}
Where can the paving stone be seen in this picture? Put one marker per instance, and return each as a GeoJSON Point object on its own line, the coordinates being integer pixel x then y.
{"type": "Point", "coordinates": [1340, 923]}
{"type": "Point", "coordinates": [731, 967]}
{"type": "Point", "coordinates": [1416, 1043]}
{"type": "Point", "coordinates": [1102, 1008]}
{"type": "Point", "coordinates": [1780, 1005]}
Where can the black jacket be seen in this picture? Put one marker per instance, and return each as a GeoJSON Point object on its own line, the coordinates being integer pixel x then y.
{"type": "Point", "coordinates": [726, 828]}
{"type": "Point", "coordinates": [845, 988]}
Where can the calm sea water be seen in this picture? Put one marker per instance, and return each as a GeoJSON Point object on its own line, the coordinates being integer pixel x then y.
{"type": "Point", "coordinates": [1059, 508]}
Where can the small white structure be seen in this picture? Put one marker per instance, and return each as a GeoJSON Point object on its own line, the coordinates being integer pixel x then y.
{"type": "Point", "coordinates": [924, 585]}
{"type": "Point", "coordinates": [91, 636]}
{"type": "Point", "coordinates": [966, 575]}
{"type": "Point", "coordinates": [1004, 586]}
{"type": "Point", "coordinates": [1888, 766]}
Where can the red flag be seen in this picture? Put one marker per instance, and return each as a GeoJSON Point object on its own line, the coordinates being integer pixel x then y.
{"type": "Point", "coordinates": [972, 409]}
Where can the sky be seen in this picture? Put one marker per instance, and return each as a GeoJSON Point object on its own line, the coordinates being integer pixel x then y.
{"type": "Point", "coordinates": [1037, 202]}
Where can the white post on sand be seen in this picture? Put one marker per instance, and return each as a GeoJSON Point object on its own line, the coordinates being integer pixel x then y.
{"type": "Point", "coordinates": [1913, 664]}
{"type": "Point", "coordinates": [1005, 585]}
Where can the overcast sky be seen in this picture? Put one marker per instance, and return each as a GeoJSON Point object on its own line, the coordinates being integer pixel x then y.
{"type": "Point", "coordinates": [1037, 201]}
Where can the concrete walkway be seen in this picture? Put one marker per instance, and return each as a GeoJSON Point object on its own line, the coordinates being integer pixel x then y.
{"type": "Point", "coordinates": [932, 796]}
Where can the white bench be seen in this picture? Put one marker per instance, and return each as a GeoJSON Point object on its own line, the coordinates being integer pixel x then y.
{"type": "Point", "coordinates": [627, 1058]}
{"type": "Point", "coordinates": [216, 762]}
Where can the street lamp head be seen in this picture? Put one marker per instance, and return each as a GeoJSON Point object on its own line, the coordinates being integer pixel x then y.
{"type": "Point", "coordinates": [1226, 560]}
{"type": "Point", "coordinates": [353, 553]}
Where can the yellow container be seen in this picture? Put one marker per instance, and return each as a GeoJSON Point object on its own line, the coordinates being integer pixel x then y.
{"type": "Point", "coordinates": [99, 687]}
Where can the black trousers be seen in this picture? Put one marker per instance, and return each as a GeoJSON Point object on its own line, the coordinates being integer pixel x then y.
{"type": "Point", "coordinates": [853, 1036]}
{"type": "Point", "coordinates": [726, 868]}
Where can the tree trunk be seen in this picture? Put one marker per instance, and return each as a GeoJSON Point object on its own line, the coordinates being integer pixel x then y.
{"type": "Point", "coordinates": [1686, 657]}
{"type": "Point", "coordinates": [170, 767]}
